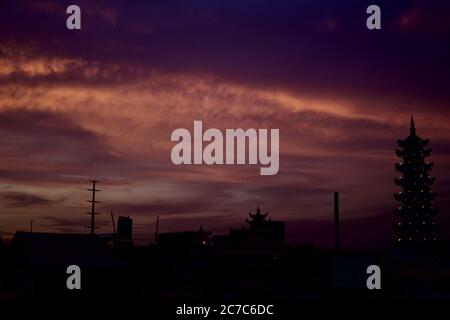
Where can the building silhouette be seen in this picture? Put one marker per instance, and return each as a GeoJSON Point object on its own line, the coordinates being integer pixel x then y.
{"type": "Point", "coordinates": [38, 262]}
{"type": "Point", "coordinates": [124, 231]}
{"type": "Point", "coordinates": [261, 234]}
{"type": "Point", "coordinates": [185, 239]}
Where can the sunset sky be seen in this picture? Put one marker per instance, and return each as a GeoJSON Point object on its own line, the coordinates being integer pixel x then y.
{"type": "Point", "coordinates": [101, 103]}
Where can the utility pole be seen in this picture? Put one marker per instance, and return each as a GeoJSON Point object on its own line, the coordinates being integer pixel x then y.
{"type": "Point", "coordinates": [93, 202]}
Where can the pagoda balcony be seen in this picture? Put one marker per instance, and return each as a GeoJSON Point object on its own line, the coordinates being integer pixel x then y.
{"type": "Point", "coordinates": [432, 195]}
{"type": "Point", "coordinates": [399, 211]}
{"type": "Point", "coordinates": [428, 166]}
{"type": "Point", "coordinates": [399, 153]}
{"type": "Point", "coordinates": [398, 226]}
{"type": "Point", "coordinates": [402, 211]}
{"type": "Point", "coordinates": [399, 196]}
{"type": "Point", "coordinates": [421, 142]}
{"type": "Point", "coordinates": [400, 167]}
{"type": "Point", "coordinates": [401, 143]}
{"type": "Point", "coordinates": [415, 227]}
{"type": "Point", "coordinates": [426, 153]}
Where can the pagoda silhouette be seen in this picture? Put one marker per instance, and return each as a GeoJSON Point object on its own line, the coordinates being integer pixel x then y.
{"type": "Point", "coordinates": [416, 215]}
{"type": "Point", "coordinates": [257, 219]}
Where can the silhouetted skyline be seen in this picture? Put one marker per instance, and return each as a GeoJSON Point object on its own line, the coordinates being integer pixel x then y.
{"type": "Point", "coordinates": [101, 104]}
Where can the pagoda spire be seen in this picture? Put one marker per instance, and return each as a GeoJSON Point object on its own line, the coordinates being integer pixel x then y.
{"type": "Point", "coordinates": [412, 128]}
{"type": "Point", "coordinates": [416, 213]}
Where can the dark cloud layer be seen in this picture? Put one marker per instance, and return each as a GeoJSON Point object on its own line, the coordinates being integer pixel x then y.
{"type": "Point", "coordinates": [20, 199]}
{"type": "Point", "coordinates": [41, 144]}
{"type": "Point", "coordinates": [270, 43]}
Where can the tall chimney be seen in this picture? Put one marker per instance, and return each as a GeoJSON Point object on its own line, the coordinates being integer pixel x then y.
{"type": "Point", "coordinates": [336, 221]}
{"type": "Point", "coordinates": [156, 231]}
